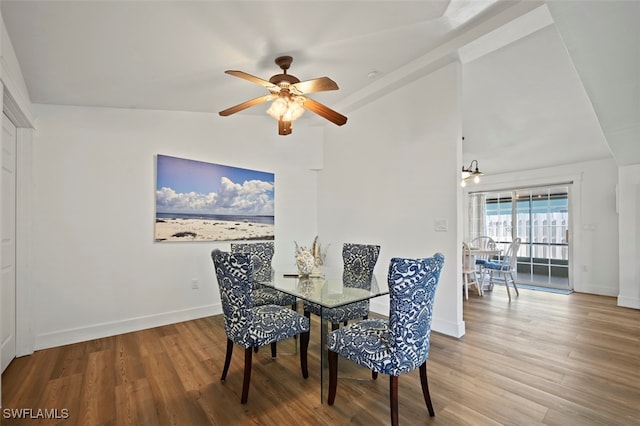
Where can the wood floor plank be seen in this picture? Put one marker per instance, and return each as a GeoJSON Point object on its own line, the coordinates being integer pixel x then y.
{"type": "Point", "coordinates": [136, 404]}
{"type": "Point", "coordinates": [97, 405]}
{"type": "Point", "coordinates": [543, 359]}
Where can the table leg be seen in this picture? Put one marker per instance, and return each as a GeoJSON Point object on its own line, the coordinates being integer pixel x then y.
{"type": "Point", "coordinates": [324, 362]}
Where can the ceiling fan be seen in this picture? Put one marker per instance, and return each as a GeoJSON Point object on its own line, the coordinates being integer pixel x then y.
{"type": "Point", "coordinates": [288, 95]}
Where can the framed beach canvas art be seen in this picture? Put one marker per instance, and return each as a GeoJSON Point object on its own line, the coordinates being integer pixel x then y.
{"type": "Point", "coordinates": [199, 201]}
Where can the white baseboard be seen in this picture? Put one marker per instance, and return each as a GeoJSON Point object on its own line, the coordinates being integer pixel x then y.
{"type": "Point", "coordinates": [96, 331]}
{"type": "Point", "coordinates": [601, 291]}
{"type": "Point", "coordinates": [449, 328]}
{"type": "Point", "coordinates": [628, 302]}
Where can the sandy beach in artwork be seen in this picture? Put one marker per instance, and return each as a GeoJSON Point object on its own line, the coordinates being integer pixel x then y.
{"type": "Point", "coordinates": [211, 230]}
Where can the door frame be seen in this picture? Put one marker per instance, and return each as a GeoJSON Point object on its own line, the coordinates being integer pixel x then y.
{"type": "Point", "coordinates": [8, 185]}
{"type": "Point", "coordinates": [527, 240]}
{"type": "Point", "coordinates": [17, 111]}
{"type": "Point", "coordinates": [506, 182]}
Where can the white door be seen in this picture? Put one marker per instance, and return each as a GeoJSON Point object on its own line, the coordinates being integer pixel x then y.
{"type": "Point", "coordinates": [8, 243]}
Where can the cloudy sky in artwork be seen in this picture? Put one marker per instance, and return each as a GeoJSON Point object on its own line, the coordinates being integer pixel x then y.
{"type": "Point", "coordinates": [189, 186]}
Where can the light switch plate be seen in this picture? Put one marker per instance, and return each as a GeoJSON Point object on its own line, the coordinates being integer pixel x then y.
{"type": "Point", "coordinates": [441, 225]}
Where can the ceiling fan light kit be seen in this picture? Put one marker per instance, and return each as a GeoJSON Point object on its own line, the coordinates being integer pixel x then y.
{"type": "Point", "coordinates": [288, 95]}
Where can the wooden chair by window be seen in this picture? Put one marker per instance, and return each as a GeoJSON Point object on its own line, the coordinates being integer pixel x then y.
{"type": "Point", "coordinates": [483, 243]}
{"type": "Point", "coordinates": [469, 276]}
{"type": "Point", "coordinates": [486, 245]}
{"type": "Point", "coordinates": [506, 267]}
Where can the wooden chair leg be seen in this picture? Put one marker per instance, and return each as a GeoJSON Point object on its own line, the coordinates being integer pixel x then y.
{"type": "Point", "coordinates": [506, 284]}
{"type": "Point", "coordinates": [425, 388]}
{"type": "Point", "coordinates": [304, 345]}
{"type": "Point", "coordinates": [256, 349]}
{"type": "Point", "coordinates": [333, 376]}
{"type": "Point", "coordinates": [465, 280]}
{"type": "Point", "coordinates": [274, 350]}
{"type": "Point", "coordinates": [374, 375]}
{"type": "Point", "coordinates": [393, 399]}
{"type": "Point", "coordinates": [478, 286]}
{"type": "Point", "coordinates": [227, 360]}
{"type": "Point", "coordinates": [514, 283]}
{"type": "Point", "coordinates": [335, 326]}
{"type": "Point", "coordinates": [248, 354]}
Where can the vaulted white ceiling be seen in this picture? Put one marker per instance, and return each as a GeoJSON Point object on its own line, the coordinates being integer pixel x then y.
{"type": "Point", "coordinates": [562, 79]}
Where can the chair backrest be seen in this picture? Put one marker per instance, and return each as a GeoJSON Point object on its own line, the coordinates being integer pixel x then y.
{"type": "Point", "coordinates": [511, 255]}
{"type": "Point", "coordinates": [261, 256]}
{"type": "Point", "coordinates": [468, 261]}
{"type": "Point", "coordinates": [483, 243]}
{"type": "Point", "coordinates": [234, 272]}
{"type": "Point", "coordinates": [358, 263]}
{"type": "Point", "coordinates": [412, 288]}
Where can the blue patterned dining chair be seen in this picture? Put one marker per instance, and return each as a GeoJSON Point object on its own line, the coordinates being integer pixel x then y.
{"type": "Point", "coordinates": [401, 344]}
{"type": "Point", "coordinates": [252, 326]}
{"type": "Point", "coordinates": [505, 267]}
{"type": "Point", "coordinates": [358, 263]}
{"type": "Point", "coordinates": [262, 256]}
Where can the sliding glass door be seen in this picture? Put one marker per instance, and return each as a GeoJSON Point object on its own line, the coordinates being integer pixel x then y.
{"type": "Point", "coordinates": [540, 218]}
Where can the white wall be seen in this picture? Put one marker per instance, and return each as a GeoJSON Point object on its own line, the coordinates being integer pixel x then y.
{"type": "Point", "coordinates": [389, 174]}
{"type": "Point", "coordinates": [593, 217]}
{"type": "Point", "coordinates": [629, 211]}
{"type": "Point", "coordinates": [96, 268]}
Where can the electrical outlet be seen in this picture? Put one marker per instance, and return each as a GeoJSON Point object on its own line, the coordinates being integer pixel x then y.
{"type": "Point", "coordinates": [195, 284]}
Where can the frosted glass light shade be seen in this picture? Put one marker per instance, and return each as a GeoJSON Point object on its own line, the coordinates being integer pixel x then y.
{"type": "Point", "coordinates": [286, 109]}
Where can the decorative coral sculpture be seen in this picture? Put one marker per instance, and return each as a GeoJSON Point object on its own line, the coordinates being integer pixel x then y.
{"type": "Point", "coordinates": [309, 261]}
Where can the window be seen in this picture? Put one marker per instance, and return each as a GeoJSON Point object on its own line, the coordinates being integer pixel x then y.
{"type": "Point", "coordinates": [541, 216]}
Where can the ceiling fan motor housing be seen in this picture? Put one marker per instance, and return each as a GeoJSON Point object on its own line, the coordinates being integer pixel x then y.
{"type": "Point", "coordinates": [284, 62]}
{"type": "Point", "coordinates": [284, 78]}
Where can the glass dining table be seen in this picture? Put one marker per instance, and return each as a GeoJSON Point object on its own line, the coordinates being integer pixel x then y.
{"type": "Point", "coordinates": [328, 291]}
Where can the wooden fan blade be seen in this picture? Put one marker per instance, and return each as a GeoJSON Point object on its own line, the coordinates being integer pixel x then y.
{"type": "Point", "coordinates": [324, 111]}
{"type": "Point", "coordinates": [252, 78]}
{"type": "Point", "coordinates": [321, 84]}
{"type": "Point", "coordinates": [284, 127]}
{"type": "Point", "coordinates": [245, 105]}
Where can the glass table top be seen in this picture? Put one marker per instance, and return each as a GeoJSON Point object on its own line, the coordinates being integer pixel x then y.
{"type": "Point", "coordinates": [329, 292]}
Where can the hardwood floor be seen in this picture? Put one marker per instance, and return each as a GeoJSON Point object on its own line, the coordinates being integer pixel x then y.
{"type": "Point", "coordinates": [543, 359]}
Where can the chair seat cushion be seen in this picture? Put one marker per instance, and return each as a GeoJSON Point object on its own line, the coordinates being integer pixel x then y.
{"type": "Point", "coordinates": [496, 266]}
{"type": "Point", "coordinates": [356, 310]}
{"type": "Point", "coordinates": [271, 323]}
{"type": "Point", "coordinates": [270, 296]}
{"type": "Point", "coordinates": [367, 343]}
{"type": "Point", "coordinates": [481, 261]}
